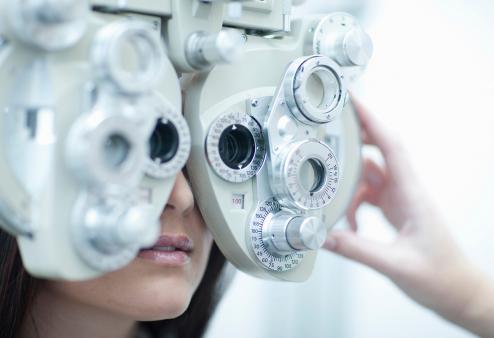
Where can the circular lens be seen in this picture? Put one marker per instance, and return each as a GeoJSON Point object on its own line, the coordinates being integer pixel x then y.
{"type": "Point", "coordinates": [129, 55]}
{"type": "Point", "coordinates": [116, 151]}
{"type": "Point", "coordinates": [312, 175]}
{"type": "Point", "coordinates": [164, 142]}
{"type": "Point", "coordinates": [132, 57]}
{"type": "Point", "coordinates": [315, 90]}
{"type": "Point", "coordinates": [305, 175]}
{"type": "Point", "coordinates": [237, 147]}
{"type": "Point", "coordinates": [322, 89]}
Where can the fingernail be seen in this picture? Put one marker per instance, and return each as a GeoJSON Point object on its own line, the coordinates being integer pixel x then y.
{"type": "Point", "coordinates": [330, 244]}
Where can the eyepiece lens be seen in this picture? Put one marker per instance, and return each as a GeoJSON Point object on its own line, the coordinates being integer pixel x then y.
{"type": "Point", "coordinates": [312, 175]}
{"type": "Point", "coordinates": [164, 142]}
{"type": "Point", "coordinates": [322, 89]}
{"type": "Point", "coordinates": [237, 147]}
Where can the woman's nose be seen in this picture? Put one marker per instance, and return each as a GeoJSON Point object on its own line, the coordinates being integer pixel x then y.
{"type": "Point", "coordinates": [181, 198]}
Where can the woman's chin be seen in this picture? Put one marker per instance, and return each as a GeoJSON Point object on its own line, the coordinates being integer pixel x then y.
{"type": "Point", "coordinates": [158, 305]}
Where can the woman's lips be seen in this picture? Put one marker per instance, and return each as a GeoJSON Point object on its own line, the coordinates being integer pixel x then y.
{"type": "Point", "coordinates": [169, 250]}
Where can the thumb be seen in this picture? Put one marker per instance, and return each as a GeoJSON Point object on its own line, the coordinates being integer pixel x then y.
{"type": "Point", "coordinates": [373, 254]}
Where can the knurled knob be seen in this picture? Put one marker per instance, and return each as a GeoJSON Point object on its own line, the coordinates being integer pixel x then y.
{"type": "Point", "coordinates": [205, 50]}
{"type": "Point", "coordinates": [306, 233]}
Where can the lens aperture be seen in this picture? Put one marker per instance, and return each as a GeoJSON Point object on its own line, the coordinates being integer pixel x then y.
{"type": "Point", "coordinates": [312, 175]}
{"type": "Point", "coordinates": [164, 142]}
{"type": "Point", "coordinates": [237, 147]}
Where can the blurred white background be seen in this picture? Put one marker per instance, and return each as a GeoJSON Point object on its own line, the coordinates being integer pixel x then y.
{"type": "Point", "coordinates": [432, 80]}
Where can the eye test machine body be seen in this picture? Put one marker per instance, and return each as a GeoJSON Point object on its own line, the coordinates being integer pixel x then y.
{"type": "Point", "coordinates": [92, 134]}
{"type": "Point", "coordinates": [276, 148]}
{"type": "Point", "coordinates": [92, 137]}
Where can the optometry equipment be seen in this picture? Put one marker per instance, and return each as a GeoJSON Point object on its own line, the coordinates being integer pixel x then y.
{"type": "Point", "coordinates": [276, 149]}
{"type": "Point", "coordinates": [92, 134]}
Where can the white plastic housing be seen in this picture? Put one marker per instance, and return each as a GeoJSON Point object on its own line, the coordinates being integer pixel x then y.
{"type": "Point", "coordinates": [50, 251]}
{"type": "Point", "coordinates": [240, 88]}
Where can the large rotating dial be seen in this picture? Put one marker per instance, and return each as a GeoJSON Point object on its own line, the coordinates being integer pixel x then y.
{"type": "Point", "coordinates": [235, 147]}
{"type": "Point", "coordinates": [315, 90]}
{"type": "Point", "coordinates": [266, 253]}
{"type": "Point", "coordinates": [306, 175]}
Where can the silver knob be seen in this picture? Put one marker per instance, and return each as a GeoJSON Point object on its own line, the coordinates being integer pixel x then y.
{"type": "Point", "coordinates": [355, 48]}
{"type": "Point", "coordinates": [136, 226]}
{"type": "Point", "coordinates": [341, 37]}
{"type": "Point", "coordinates": [306, 233]}
{"type": "Point", "coordinates": [112, 230]}
{"type": "Point", "coordinates": [288, 233]}
{"type": "Point", "coordinates": [205, 50]}
{"type": "Point", "coordinates": [274, 235]}
{"type": "Point", "coordinates": [108, 232]}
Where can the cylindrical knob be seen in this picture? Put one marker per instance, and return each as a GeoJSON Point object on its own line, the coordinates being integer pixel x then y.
{"type": "Point", "coordinates": [133, 228]}
{"type": "Point", "coordinates": [306, 233]}
{"type": "Point", "coordinates": [287, 233]}
{"type": "Point", "coordinates": [205, 50]}
{"type": "Point", "coordinates": [275, 233]}
{"type": "Point", "coordinates": [114, 229]}
{"type": "Point", "coordinates": [340, 37]}
{"type": "Point", "coordinates": [356, 49]}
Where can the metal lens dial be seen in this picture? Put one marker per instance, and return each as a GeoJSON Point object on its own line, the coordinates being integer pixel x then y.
{"type": "Point", "coordinates": [265, 252]}
{"type": "Point", "coordinates": [316, 90]}
{"type": "Point", "coordinates": [129, 55]}
{"type": "Point", "coordinates": [169, 146]}
{"type": "Point", "coordinates": [106, 150]}
{"type": "Point", "coordinates": [235, 147]}
{"type": "Point", "coordinates": [307, 176]}
{"type": "Point", "coordinates": [97, 225]}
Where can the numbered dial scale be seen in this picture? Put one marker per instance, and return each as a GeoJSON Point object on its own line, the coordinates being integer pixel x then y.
{"type": "Point", "coordinates": [309, 160]}
{"type": "Point", "coordinates": [235, 147]}
{"type": "Point", "coordinates": [263, 214]}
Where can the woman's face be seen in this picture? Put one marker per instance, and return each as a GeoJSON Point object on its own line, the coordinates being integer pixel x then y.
{"type": "Point", "coordinates": [160, 282]}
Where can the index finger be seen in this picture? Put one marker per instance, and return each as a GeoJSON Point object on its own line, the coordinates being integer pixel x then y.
{"type": "Point", "coordinates": [377, 134]}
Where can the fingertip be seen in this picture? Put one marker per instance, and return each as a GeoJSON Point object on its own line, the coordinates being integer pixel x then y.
{"type": "Point", "coordinates": [330, 243]}
{"type": "Point", "coordinates": [333, 240]}
{"type": "Point", "coordinates": [352, 221]}
{"type": "Point", "coordinates": [350, 245]}
{"type": "Point", "coordinates": [373, 173]}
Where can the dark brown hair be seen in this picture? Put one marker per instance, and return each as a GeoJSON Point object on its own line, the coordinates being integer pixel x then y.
{"type": "Point", "coordinates": [18, 289]}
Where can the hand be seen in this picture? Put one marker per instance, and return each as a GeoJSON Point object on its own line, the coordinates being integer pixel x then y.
{"type": "Point", "coordinates": [423, 260]}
